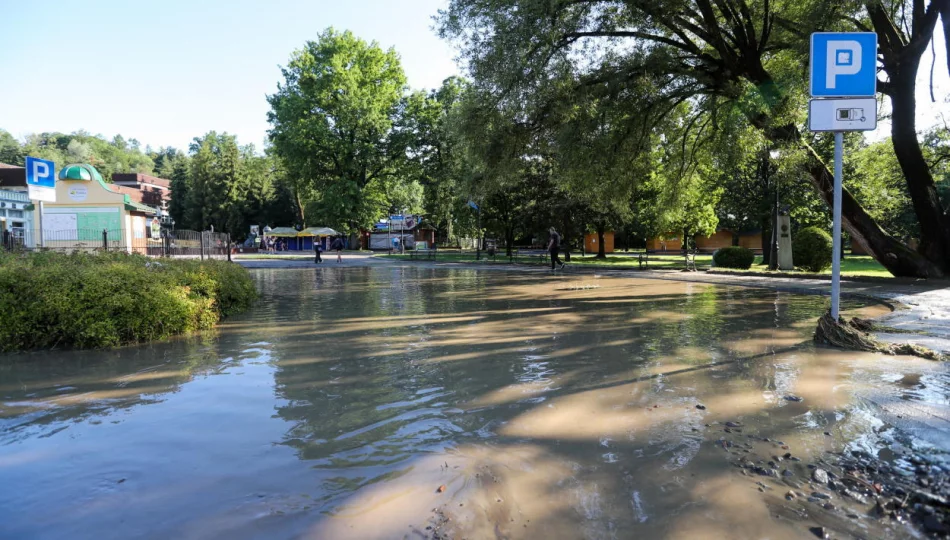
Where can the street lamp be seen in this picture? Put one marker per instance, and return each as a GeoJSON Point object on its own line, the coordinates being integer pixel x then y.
{"type": "Point", "coordinates": [773, 253]}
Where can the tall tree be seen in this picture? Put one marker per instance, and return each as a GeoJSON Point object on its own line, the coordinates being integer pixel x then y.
{"type": "Point", "coordinates": [218, 184]}
{"type": "Point", "coordinates": [10, 152]}
{"type": "Point", "coordinates": [333, 119]}
{"type": "Point", "coordinates": [717, 55]}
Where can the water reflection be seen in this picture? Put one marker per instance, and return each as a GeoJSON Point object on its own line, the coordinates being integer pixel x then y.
{"type": "Point", "coordinates": [561, 407]}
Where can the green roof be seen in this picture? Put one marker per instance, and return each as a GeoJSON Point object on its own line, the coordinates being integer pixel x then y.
{"type": "Point", "coordinates": [80, 171]}
{"type": "Point", "coordinates": [133, 206]}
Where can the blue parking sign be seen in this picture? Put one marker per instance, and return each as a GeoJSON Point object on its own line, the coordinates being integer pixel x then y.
{"type": "Point", "coordinates": [41, 179]}
{"type": "Point", "coordinates": [843, 64]}
{"type": "Point", "coordinates": [40, 172]}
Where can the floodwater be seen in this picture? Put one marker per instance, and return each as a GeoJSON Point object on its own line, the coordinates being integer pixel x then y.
{"type": "Point", "coordinates": [377, 402]}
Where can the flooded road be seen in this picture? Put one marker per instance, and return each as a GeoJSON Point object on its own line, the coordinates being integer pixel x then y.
{"type": "Point", "coordinates": [410, 402]}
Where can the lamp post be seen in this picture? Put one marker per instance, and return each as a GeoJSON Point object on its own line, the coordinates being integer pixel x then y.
{"type": "Point", "coordinates": [402, 232]}
{"type": "Point", "coordinates": [773, 253]}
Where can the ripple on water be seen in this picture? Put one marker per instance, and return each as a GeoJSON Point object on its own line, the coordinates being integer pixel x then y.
{"type": "Point", "coordinates": [366, 388]}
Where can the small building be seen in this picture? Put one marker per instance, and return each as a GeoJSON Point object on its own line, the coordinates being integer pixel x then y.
{"type": "Point", "coordinates": [145, 189]}
{"type": "Point", "coordinates": [16, 218]}
{"type": "Point", "coordinates": [707, 244]}
{"type": "Point", "coordinates": [89, 213]}
{"type": "Point", "coordinates": [16, 209]}
{"type": "Point", "coordinates": [590, 242]}
{"type": "Point", "coordinates": [665, 242]}
{"type": "Point", "coordinates": [751, 240]}
{"type": "Point", "coordinates": [719, 239]}
{"type": "Point", "coordinates": [410, 230]}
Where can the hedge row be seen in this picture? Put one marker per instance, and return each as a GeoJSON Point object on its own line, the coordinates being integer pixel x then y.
{"type": "Point", "coordinates": [81, 300]}
{"type": "Point", "coordinates": [734, 257]}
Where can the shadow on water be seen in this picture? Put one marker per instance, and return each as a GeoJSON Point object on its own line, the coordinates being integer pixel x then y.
{"type": "Point", "coordinates": [561, 407]}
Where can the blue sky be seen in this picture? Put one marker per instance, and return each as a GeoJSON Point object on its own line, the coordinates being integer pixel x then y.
{"type": "Point", "coordinates": [166, 72]}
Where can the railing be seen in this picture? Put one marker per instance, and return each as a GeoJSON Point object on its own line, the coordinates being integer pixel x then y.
{"type": "Point", "coordinates": [177, 243]}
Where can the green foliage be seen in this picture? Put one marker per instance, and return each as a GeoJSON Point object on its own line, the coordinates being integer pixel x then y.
{"type": "Point", "coordinates": [623, 74]}
{"type": "Point", "coordinates": [734, 257]}
{"type": "Point", "coordinates": [811, 249]}
{"type": "Point", "coordinates": [217, 183]}
{"type": "Point", "coordinates": [81, 300]}
{"type": "Point", "coordinates": [335, 124]}
{"type": "Point", "coordinates": [108, 157]}
{"type": "Point", "coordinates": [10, 152]}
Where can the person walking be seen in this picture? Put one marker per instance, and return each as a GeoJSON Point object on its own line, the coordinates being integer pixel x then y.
{"type": "Point", "coordinates": [317, 248]}
{"type": "Point", "coordinates": [338, 247]}
{"type": "Point", "coordinates": [554, 246]}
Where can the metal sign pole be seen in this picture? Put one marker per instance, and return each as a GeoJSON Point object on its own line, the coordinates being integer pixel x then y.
{"type": "Point", "coordinates": [836, 228]}
{"type": "Point", "coordinates": [42, 233]}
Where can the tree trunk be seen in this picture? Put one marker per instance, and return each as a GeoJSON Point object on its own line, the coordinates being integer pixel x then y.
{"type": "Point", "coordinates": [899, 259]}
{"type": "Point", "coordinates": [934, 223]}
{"type": "Point", "coordinates": [901, 59]}
{"type": "Point", "coordinates": [945, 19]}
{"type": "Point", "coordinates": [601, 251]}
{"type": "Point", "coordinates": [509, 240]}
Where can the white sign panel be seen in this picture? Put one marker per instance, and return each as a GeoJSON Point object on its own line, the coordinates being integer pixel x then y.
{"type": "Point", "coordinates": [78, 193]}
{"type": "Point", "coordinates": [60, 227]}
{"type": "Point", "coordinates": [859, 114]}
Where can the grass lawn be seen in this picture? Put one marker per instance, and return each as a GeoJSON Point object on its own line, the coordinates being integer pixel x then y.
{"type": "Point", "coordinates": [851, 265]}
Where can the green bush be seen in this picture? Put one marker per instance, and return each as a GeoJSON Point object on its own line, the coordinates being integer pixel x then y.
{"type": "Point", "coordinates": [84, 300]}
{"type": "Point", "coordinates": [811, 249]}
{"type": "Point", "coordinates": [734, 257]}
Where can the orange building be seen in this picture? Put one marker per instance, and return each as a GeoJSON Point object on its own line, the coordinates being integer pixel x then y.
{"type": "Point", "coordinates": [666, 242]}
{"type": "Point", "coordinates": [751, 240]}
{"type": "Point", "coordinates": [720, 239]}
{"type": "Point", "coordinates": [590, 242]}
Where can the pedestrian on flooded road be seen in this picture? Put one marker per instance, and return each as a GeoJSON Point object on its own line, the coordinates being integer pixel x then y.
{"type": "Point", "coordinates": [338, 247]}
{"type": "Point", "coordinates": [317, 248]}
{"type": "Point", "coordinates": [554, 246]}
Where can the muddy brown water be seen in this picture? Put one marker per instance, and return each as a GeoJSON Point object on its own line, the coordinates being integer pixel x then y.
{"type": "Point", "coordinates": [547, 407]}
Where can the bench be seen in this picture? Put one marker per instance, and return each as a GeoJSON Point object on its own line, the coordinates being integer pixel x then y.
{"type": "Point", "coordinates": [422, 254]}
{"type": "Point", "coordinates": [542, 255]}
{"type": "Point", "coordinates": [643, 259]}
{"type": "Point", "coordinates": [690, 260]}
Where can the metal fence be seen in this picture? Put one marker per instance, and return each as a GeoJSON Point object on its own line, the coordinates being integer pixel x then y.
{"type": "Point", "coordinates": [170, 243]}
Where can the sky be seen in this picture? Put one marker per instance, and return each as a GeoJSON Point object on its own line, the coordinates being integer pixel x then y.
{"type": "Point", "coordinates": [167, 72]}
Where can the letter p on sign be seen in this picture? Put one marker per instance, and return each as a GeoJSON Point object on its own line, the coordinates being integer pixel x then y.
{"type": "Point", "coordinates": [843, 64]}
{"type": "Point", "coordinates": [40, 170]}
{"type": "Point", "coordinates": [844, 58]}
